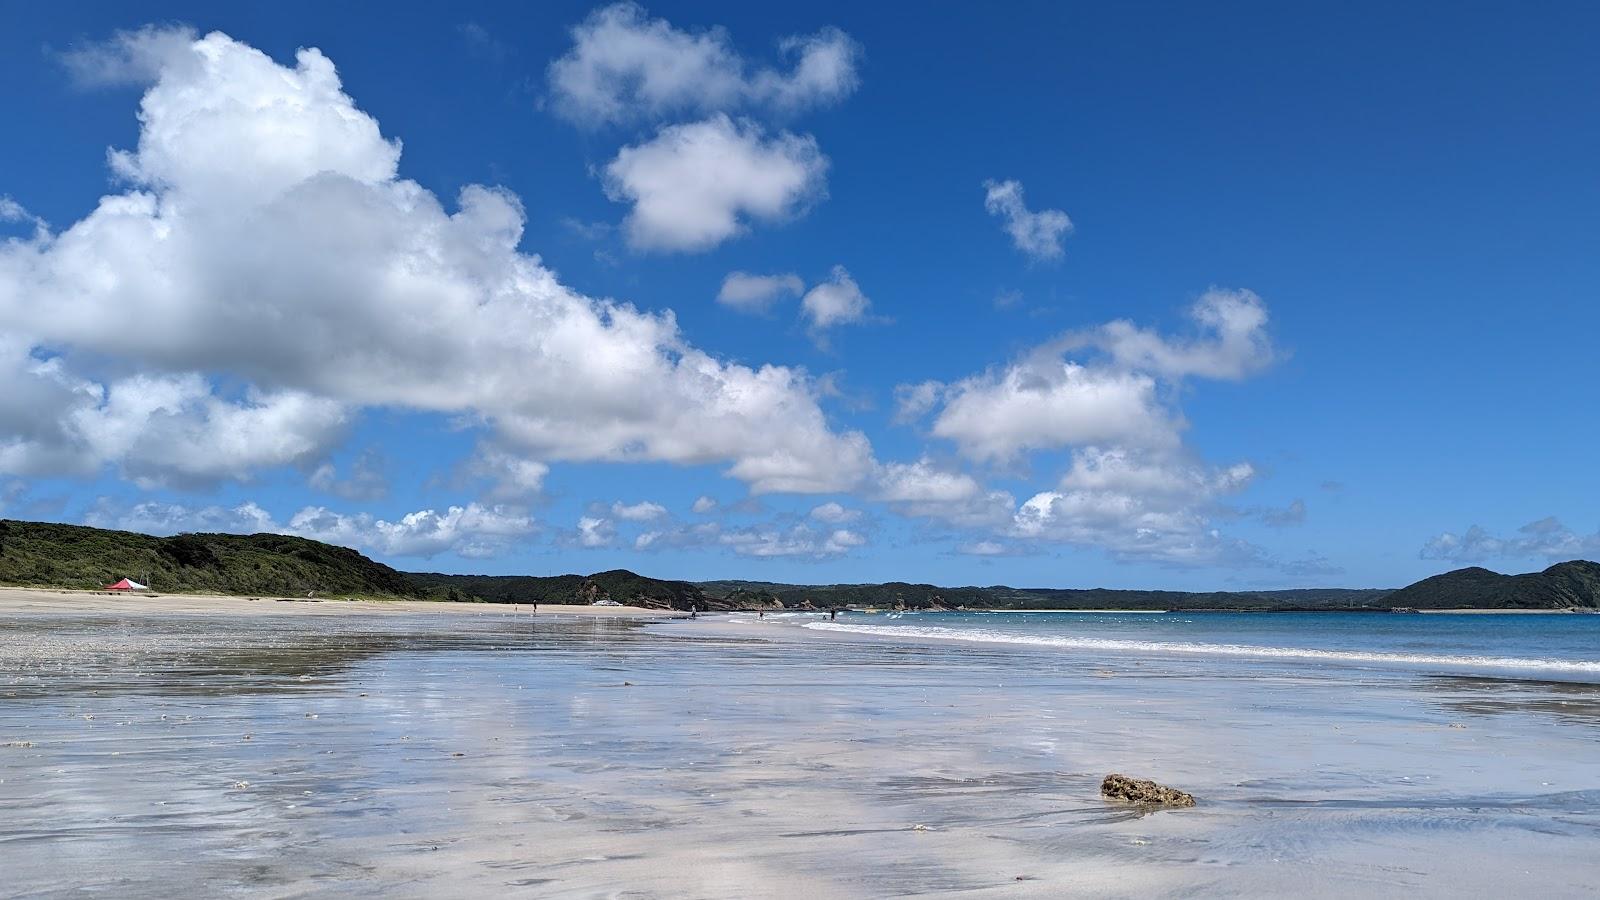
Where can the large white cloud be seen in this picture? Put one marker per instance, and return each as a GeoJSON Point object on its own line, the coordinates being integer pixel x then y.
{"type": "Point", "coordinates": [1109, 395]}
{"type": "Point", "coordinates": [1043, 402]}
{"type": "Point", "coordinates": [624, 65]}
{"type": "Point", "coordinates": [159, 428]}
{"type": "Point", "coordinates": [473, 531]}
{"type": "Point", "coordinates": [926, 490]}
{"type": "Point", "coordinates": [696, 185]}
{"type": "Point", "coordinates": [1234, 343]}
{"type": "Point", "coordinates": [267, 239]}
{"type": "Point", "coordinates": [1138, 504]}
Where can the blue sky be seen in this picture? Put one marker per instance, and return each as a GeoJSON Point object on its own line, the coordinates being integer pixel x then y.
{"type": "Point", "coordinates": [1317, 318]}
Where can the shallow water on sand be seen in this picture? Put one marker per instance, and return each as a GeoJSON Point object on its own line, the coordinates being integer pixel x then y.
{"type": "Point", "coordinates": [435, 756]}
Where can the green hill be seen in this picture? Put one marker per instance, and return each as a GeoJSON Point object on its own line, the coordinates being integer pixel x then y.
{"type": "Point", "coordinates": [619, 584]}
{"type": "Point", "coordinates": [1568, 585]}
{"type": "Point", "coordinates": [72, 556]}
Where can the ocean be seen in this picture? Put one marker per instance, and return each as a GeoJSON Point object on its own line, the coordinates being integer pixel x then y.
{"type": "Point", "coordinates": [1564, 646]}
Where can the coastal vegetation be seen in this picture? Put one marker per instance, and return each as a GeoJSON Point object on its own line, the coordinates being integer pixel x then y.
{"type": "Point", "coordinates": [1567, 585]}
{"type": "Point", "coordinates": [618, 585]}
{"type": "Point", "coordinates": [42, 554]}
{"type": "Point", "coordinates": [901, 595]}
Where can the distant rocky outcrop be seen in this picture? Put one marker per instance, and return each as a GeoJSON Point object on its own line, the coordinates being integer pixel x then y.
{"type": "Point", "coordinates": [1140, 791]}
{"type": "Point", "coordinates": [1568, 585]}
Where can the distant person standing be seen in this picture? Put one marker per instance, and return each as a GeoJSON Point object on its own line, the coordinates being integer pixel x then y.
{"type": "Point", "coordinates": [833, 613]}
{"type": "Point", "coordinates": [694, 611]}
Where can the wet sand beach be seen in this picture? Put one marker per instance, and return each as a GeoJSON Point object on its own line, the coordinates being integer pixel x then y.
{"type": "Point", "coordinates": [15, 600]}
{"type": "Point", "coordinates": [293, 749]}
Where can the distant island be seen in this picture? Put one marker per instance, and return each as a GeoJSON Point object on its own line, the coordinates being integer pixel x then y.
{"type": "Point", "coordinates": [41, 554]}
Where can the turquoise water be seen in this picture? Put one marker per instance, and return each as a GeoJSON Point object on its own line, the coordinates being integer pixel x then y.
{"type": "Point", "coordinates": [1562, 646]}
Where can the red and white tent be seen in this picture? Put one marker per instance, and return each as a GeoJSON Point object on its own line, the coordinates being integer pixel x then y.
{"type": "Point", "coordinates": [126, 584]}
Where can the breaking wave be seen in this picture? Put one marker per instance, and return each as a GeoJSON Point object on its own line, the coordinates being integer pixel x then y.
{"type": "Point", "coordinates": [1117, 645]}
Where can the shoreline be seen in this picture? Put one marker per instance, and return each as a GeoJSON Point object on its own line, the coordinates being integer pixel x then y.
{"type": "Point", "coordinates": [1142, 612]}
{"type": "Point", "coordinates": [1471, 611]}
{"type": "Point", "coordinates": [20, 599]}
{"type": "Point", "coordinates": [55, 601]}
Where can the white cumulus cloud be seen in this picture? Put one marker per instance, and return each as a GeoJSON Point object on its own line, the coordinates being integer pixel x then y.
{"type": "Point", "coordinates": [1110, 395]}
{"type": "Point", "coordinates": [596, 531]}
{"type": "Point", "coordinates": [696, 185]}
{"type": "Point", "coordinates": [643, 511]}
{"type": "Point", "coordinates": [1234, 341]}
{"type": "Point", "coordinates": [472, 530]}
{"type": "Point", "coordinates": [748, 293]}
{"type": "Point", "coordinates": [1038, 234]}
{"type": "Point", "coordinates": [134, 56]}
{"type": "Point", "coordinates": [795, 541]}
{"type": "Point", "coordinates": [835, 513]}
{"type": "Point", "coordinates": [1043, 402]}
{"type": "Point", "coordinates": [1107, 395]}
{"type": "Point", "coordinates": [836, 301]}
{"type": "Point", "coordinates": [267, 239]}
{"type": "Point", "coordinates": [1547, 539]}
{"type": "Point", "coordinates": [624, 65]}
{"type": "Point", "coordinates": [1138, 505]}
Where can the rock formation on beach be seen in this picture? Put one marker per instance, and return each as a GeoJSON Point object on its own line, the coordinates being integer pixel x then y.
{"type": "Point", "coordinates": [1147, 793]}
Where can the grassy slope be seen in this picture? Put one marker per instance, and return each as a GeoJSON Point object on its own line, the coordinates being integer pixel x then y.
{"type": "Point", "coordinates": [1562, 586]}
{"type": "Point", "coordinates": [619, 585]}
{"type": "Point", "coordinates": [72, 556]}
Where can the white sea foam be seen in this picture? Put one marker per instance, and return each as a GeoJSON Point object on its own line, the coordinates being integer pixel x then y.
{"type": "Point", "coordinates": [1115, 645]}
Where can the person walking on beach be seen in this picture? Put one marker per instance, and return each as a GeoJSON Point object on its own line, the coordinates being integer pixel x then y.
{"type": "Point", "coordinates": [694, 611]}
{"type": "Point", "coordinates": [833, 613]}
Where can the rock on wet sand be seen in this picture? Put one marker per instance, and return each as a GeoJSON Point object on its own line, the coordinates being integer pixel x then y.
{"type": "Point", "coordinates": [1135, 790]}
